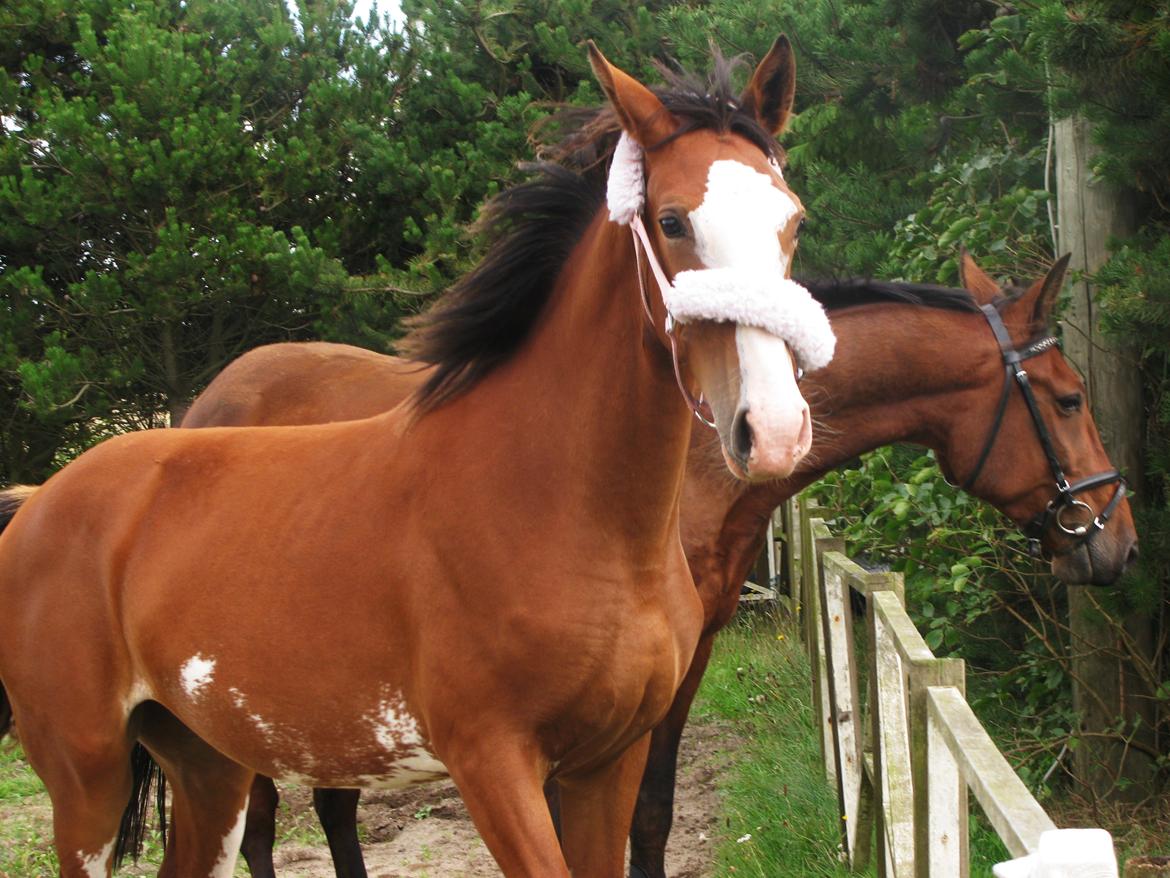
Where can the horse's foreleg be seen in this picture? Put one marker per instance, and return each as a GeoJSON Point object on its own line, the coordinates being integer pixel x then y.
{"type": "Point", "coordinates": [654, 812]}
{"type": "Point", "coordinates": [337, 811]}
{"type": "Point", "coordinates": [260, 828]}
{"type": "Point", "coordinates": [596, 810]}
{"type": "Point", "coordinates": [502, 788]}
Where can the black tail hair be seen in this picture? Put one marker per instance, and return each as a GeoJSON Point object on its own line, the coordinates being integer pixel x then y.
{"type": "Point", "coordinates": [11, 499]}
{"type": "Point", "coordinates": [146, 772]}
{"type": "Point", "coordinates": [5, 712]}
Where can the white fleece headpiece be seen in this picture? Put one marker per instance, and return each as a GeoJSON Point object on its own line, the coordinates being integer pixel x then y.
{"type": "Point", "coordinates": [755, 294]}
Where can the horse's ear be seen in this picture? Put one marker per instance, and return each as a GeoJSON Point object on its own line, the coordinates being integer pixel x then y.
{"type": "Point", "coordinates": [1041, 297]}
{"type": "Point", "coordinates": [770, 93]}
{"type": "Point", "coordinates": [640, 112]}
{"type": "Point", "coordinates": [976, 281]}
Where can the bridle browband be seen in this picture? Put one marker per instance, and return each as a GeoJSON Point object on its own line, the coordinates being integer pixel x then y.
{"type": "Point", "coordinates": [1066, 493]}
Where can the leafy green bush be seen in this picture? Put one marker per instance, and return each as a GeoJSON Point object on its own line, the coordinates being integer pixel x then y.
{"type": "Point", "coordinates": [972, 590]}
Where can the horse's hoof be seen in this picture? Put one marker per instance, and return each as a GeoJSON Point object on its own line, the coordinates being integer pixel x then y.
{"type": "Point", "coordinates": [635, 872]}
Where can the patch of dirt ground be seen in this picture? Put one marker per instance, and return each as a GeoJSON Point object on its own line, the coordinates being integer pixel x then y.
{"type": "Point", "coordinates": [425, 831]}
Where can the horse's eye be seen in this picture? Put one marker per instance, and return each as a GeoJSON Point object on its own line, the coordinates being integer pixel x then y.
{"type": "Point", "coordinates": [1070, 404]}
{"type": "Point", "coordinates": [672, 226]}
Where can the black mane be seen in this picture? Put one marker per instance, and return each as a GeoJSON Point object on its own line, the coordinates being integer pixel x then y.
{"type": "Point", "coordinates": [850, 292]}
{"type": "Point", "coordinates": [532, 228]}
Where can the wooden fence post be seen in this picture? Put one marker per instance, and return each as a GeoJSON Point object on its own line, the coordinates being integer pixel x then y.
{"type": "Point", "coordinates": [924, 674]}
{"type": "Point", "coordinates": [1106, 685]}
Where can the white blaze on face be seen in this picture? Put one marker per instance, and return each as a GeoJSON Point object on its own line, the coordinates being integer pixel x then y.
{"type": "Point", "coordinates": [96, 865]}
{"type": "Point", "coordinates": [739, 222]}
{"type": "Point", "coordinates": [737, 227]}
{"type": "Point", "coordinates": [196, 674]}
{"type": "Point", "coordinates": [225, 865]}
{"type": "Point", "coordinates": [776, 409]}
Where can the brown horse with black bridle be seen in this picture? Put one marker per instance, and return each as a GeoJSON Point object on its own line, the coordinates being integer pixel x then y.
{"type": "Point", "coordinates": [915, 364]}
{"type": "Point", "coordinates": [494, 569]}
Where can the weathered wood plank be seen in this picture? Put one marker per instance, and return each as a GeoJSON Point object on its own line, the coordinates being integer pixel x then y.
{"type": "Point", "coordinates": [823, 542]}
{"type": "Point", "coordinates": [945, 822]}
{"type": "Point", "coordinates": [845, 705]}
{"type": "Point", "coordinates": [1016, 816]}
{"type": "Point", "coordinates": [891, 738]}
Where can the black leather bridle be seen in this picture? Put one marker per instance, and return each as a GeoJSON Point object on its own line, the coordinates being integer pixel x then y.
{"type": "Point", "coordinates": [1066, 493]}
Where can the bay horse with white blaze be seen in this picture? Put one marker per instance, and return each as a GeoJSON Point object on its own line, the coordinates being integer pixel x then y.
{"type": "Point", "coordinates": [494, 570]}
{"type": "Point", "coordinates": [915, 363]}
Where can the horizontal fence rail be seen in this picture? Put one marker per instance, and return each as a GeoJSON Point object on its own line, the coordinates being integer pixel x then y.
{"type": "Point", "coordinates": [905, 759]}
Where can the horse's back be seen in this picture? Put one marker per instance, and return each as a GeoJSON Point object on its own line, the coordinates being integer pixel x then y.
{"type": "Point", "coordinates": [303, 383]}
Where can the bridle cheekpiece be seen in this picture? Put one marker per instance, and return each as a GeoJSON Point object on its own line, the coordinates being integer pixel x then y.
{"type": "Point", "coordinates": [1066, 493]}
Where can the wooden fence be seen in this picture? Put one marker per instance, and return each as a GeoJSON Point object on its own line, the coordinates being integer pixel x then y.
{"type": "Point", "coordinates": [903, 760]}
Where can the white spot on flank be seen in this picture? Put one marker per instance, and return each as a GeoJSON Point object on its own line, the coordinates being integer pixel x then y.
{"type": "Point", "coordinates": [394, 728]}
{"type": "Point", "coordinates": [225, 866]}
{"type": "Point", "coordinates": [196, 674]}
{"type": "Point", "coordinates": [95, 865]}
{"type": "Point", "coordinates": [238, 698]}
{"type": "Point", "coordinates": [738, 223]}
{"type": "Point", "coordinates": [262, 724]}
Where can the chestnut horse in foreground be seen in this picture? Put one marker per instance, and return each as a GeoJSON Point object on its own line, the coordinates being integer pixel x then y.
{"type": "Point", "coordinates": [914, 364]}
{"type": "Point", "coordinates": [494, 571]}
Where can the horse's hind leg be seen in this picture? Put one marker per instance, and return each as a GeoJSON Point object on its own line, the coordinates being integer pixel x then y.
{"type": "Point", "coordinates": [88, 778]}
{"type": "Point", "coordinates": [209, 799]}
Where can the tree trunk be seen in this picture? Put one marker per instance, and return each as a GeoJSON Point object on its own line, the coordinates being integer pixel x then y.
{"type": "Point", "coordinates": [177, 402]}
{"type": "Point", "coordinates": [1106, 686]}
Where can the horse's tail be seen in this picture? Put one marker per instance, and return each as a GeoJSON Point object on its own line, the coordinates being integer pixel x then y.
{"type": "Point", "coordinates": [11, 499]}
{"type": "Point", "coordinates": [135, 819]}
{"type": "Point", "coordinates": [5, 712]}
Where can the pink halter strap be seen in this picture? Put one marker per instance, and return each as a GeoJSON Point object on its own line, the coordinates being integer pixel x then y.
{"type": "Point", "coordinates": [638, 229]}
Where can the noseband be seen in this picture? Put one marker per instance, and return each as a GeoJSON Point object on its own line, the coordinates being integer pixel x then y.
{"type": "Point", "coordinates": [1066, 493]}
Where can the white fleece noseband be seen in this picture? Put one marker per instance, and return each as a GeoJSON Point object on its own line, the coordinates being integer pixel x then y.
{"type": "Point", "coordinates": [735, 231]}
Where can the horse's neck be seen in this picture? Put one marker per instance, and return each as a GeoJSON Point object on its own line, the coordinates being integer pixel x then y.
{"type": "Point", "coordinates": [586, 413]}
{"type": "Point", "coordinates": [898, 374]}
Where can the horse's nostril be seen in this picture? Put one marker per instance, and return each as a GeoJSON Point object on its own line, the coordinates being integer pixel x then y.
{"type": "Point", "coordinates": [1131, 556]}
{"type": "Point", "coordinates": [741, 437]}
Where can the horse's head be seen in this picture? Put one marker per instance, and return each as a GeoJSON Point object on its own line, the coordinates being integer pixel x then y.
{"type": "Point", "coordinates": [712, 211]}
{"type": "Point", "coordinates": [1029, 444]}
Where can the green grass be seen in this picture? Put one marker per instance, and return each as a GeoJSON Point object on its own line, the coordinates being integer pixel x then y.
{"type": "Point", "coordinates": [776, 789]}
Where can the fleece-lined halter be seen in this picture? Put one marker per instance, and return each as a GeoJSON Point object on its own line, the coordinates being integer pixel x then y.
{"type": "Point", "coordinates": [749, 297]}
